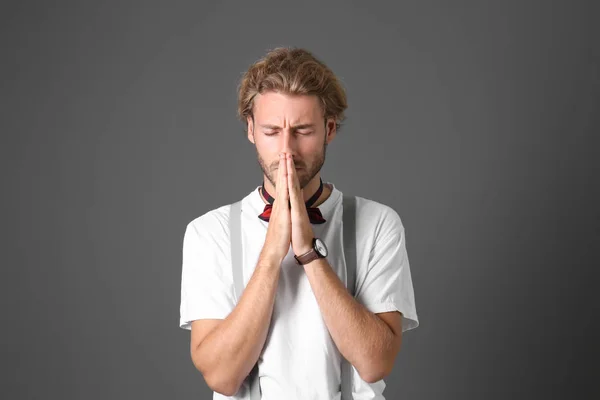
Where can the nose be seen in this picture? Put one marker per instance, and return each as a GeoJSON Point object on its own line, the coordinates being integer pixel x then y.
{"type": "Point", "coordinates": [288, 143]}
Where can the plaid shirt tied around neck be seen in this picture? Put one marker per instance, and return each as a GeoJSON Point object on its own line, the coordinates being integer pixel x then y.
{"type": "Point", "coordinates": [314, 214]}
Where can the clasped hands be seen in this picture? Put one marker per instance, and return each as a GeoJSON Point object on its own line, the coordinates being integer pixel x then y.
{"type": "Point", "coordinates": [289, 224]}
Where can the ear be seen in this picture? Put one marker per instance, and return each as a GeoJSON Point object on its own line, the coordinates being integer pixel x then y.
{"type": "Point", "coordinates": [330, 129]}
{"type": "Point", "coordinates": [250, 129]}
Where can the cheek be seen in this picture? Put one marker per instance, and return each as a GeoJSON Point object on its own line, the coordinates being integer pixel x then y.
{"type": "Point", "coordinates": [311, 151]}
{"type": "Point", "coordinates": [271, 155]}
{"type": "Point", "coordinates": [270, 146]}
{"type": "Point", "coordinates": [267, 149]}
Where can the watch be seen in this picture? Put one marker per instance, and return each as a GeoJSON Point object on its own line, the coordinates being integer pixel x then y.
{"type": "Point", "coordinates": [319, 250]}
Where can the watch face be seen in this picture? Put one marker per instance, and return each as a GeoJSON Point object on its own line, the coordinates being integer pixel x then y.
{"type": "Point", "coordinates": [320, 247]}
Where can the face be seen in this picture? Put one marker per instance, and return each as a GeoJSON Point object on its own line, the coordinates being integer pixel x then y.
{"type": "Point", "coordinates": [291, 124]}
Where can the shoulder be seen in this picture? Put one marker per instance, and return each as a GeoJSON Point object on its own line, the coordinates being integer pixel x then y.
{"type": "Point", "coordinates": [377, 219]}
{"type": "Point", "coordinates": [213, 223]}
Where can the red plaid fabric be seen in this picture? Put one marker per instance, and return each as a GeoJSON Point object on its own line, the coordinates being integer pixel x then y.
{"type": "Point", "coordinates": [314, 214]}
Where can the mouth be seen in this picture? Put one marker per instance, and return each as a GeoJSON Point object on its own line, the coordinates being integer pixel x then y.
{"type": "Point", "coordinates": [276, 168]}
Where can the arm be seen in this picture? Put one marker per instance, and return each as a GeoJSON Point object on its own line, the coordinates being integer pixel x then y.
{"type": "Point", "coordinates": [225, 352]}
{"type": "Point", "coordinates": [368, 341]}
{"type": "Point", "coordinates": [228, 352]}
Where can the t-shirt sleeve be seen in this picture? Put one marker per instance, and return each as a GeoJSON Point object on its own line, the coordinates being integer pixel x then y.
{"type": "Point", "coordinates": [207, 290]}
{"type": "Point", "coordinates": [387, 284]}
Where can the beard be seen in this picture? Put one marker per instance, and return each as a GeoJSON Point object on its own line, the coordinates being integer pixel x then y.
{"type": "Point", "coordinates": [305, 175]}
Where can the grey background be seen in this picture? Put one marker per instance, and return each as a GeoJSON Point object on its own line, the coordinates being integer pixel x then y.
{"type": "Point", "coordinates": [476, 121]}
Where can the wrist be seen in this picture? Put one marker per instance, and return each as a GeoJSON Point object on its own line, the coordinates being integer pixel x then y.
{"type": "Point", "coordinates": [318, 250]}
{"type": "Point", "coordinates": [302, 251]}
{"type": "Point", "coordinates": [269, 259]}
{"type": "Point", "coordinates": [314, 265]}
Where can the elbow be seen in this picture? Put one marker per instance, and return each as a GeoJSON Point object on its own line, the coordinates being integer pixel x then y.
{"type": "Point", "coordinates": [376, 370]}
{"type": "Point", "coordinates": [380, 366]}
{"type": "Point", "coordinates": [227, 389]}
{"type": "Point", "coordinates": [223, 385]}
{"type": "Point", "coordinates": [373, 376]}
{"type": "Point", "coordinates": [216, 380]}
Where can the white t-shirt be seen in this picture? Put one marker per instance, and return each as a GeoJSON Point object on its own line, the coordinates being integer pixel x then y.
{"type": "Point", "coordinates": [299, 359]}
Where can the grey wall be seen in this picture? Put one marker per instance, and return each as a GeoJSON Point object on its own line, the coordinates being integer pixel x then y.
{"type": "Point", "coordinates": [477, 121]}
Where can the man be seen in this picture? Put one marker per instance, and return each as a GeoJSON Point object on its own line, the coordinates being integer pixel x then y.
{"type": "Point", "coordinates": [295, 319]}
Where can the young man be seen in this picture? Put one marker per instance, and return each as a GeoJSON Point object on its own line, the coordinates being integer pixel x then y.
{"type": "Point", "coordinates": [295, 323]}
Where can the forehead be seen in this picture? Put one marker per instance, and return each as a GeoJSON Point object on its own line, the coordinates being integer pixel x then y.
{"type": "Point", "coordinates": [279, 107]}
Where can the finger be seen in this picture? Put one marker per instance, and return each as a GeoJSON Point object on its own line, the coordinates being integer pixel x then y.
{"type": "Point", "coordinates": [282, 189]}
{"type": "Point", "coordinates": [293, 184]}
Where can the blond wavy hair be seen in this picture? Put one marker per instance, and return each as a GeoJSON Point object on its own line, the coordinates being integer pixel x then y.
{"type": "Point", "coordinates": [292, 71]}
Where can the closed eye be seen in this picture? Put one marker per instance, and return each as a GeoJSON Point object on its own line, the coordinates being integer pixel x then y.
{"type": "Point", "coordinates": [300, 129]}
{"type": "Point", "coordinates": [298, 132]}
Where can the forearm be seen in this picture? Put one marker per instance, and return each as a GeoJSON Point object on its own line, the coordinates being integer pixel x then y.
{"type": "Point", "coordinates": [361, 337]}
{"type": "Point", "coordinates": [235, 345]}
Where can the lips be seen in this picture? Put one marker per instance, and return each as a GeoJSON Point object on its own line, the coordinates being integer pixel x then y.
{"type": "Point", "coordinates": [275, 169]}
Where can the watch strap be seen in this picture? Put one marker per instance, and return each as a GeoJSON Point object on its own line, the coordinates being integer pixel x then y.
{"type": "Point", "coordinates": [307, 257]}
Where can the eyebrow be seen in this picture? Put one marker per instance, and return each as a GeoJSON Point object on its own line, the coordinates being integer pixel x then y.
{"type": "Point", "coordinates": [301, 126]}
